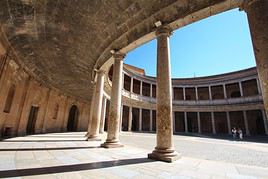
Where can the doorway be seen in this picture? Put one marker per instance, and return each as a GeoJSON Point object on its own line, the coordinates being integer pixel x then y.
{"type": "Point", "coordinates": [73, 119]}
{"type": "Point", "coordinates": [32, 120]}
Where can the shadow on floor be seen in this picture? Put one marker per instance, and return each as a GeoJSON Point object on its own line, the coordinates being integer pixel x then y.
{"type": "Point", "coordinates": [72, 168]}
{"type": "Point", "coordinates": [59, 136]}
{"type": "Point", "coordinates": [56, 140]}
{"type": "Point", "coordinates": [52, 148]}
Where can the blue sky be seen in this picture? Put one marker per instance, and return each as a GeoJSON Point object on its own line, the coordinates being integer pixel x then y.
{"type": "Point", "coordinates": [215, 45]}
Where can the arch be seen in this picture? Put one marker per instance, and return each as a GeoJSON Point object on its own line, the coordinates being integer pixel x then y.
{"type": "Point", "coordinates": [73, 119]}
{"type": "Point", "coordinates": [32, 118]}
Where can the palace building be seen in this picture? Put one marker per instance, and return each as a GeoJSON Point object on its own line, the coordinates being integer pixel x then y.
{"type": "Point", "coordinates": [61, 70]}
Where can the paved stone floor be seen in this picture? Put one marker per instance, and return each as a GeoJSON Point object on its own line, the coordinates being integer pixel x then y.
{"type": "Point", "coordinates": [67, 155]}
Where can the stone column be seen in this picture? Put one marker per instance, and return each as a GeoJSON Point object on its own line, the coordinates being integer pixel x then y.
{"type": "Point", "coordinates": [241, 89]}
{"type": "Point", "coordinates": [257, 12]}
{"type": "Point", "coordinates": [228, 122]}
{"type": "Point", "coordinates": [121, 117]}
{"type": "Point", "coordinates": [131, 85]}
{"type": "Point", "coordinates": [199, 122]}
{"type": "Point", "coordinates": [164, 149]}
{"type": "Point", "coordinates": [103, 114]}
{"type": "Point", "coordinates": [141, 89]}
{"type": "Point", "coordinates": [151, 90]}
{"type": "Point", "coordinates": [172, 93]}
{"type": "Point", "coordinates": [123, 81]}
{"type": "Point", "coordinates": [97, 107]}
{"type": "Point", "coordinates": [196, 93]}
{"type": "Point", "coordinates": [185, 122]}
{"type": "Point", "coordinates": [173, 120]}
{"type": "Point", "coordinates": [184, 93]}
{"type": "Point", "coordinates": [115, 103]}
{"type": "Point", "coordinates": [209, 92]}
{"type": "Point", "coordinates": [91, 110]}
{"type": "Point", "coordinates": [246, 122]}
{"type": "Point", "coordinates": [130, 118]}
{"type": "Point", "coordinates": [265, 121]}
{"type": "Point", "coordinates": [258, 86]}
{"type": "Point", "coordinates": [140, 119]}
{"type": "Point", "coordinates": [224, 91]}
{"type": "Point", "coordinates": [151, 120]}
{"type": "Point", "coordinates": [213, 123]}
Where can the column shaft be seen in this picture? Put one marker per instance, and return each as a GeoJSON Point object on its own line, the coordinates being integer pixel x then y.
{"type": "Point", "coordinates": [141, 89]}
{"type": "Point", "coordinates": [130, 118]}
{"type": "Point", "coordinates": [140, 119]}
{"type": "Point", "coordinates": [265, 121]}
{"type": "Point", "coordinates": [257, 13]}
{"type": "Point", "coordinates": [164, 149]}
{"type": "Point", "coordinates": [151, 90]}
{"type": "Point", "coordinates": [246, 122]}
{"type": "Point", "coordinates": [151, 120]}
{"type": "Point", "coordinates": [96, 113]}
{"type": "Point", "coordinates": [209, 92]}
{"type": "Point", "coordinates": [184, 93]}
{"type": "Point", "coordinates": [115, 103]}
{"type": "Point", "coordinates": [199, 122]}
{"type": "Point", "coordinates": [228, 122]}
{"type": "Point", "coordinates": [121, 117]}
{"type": "Point", "coordinates": [224, 91]}
{"type": "Point", "coordinates": [131, 85]}
{"type": "Point", "coordinates": [213, 123]}
{"type": "Point", "coordinates": [196, 93]}
{"type": "Point", "coordinates": [91, 111]}
{"type": "Point", "coordinates": [185, 122]}
{"type": "Point", "coordinates": [103, 114]}
{"type": "Point", "coordinates": [258, 86]}
{"type": "Point", "coordinates": [241, 89]}
{"type": "Point", "coordinates": [174, 122]}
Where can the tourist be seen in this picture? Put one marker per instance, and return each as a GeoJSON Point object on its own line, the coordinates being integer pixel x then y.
{"type": "Point", "coordinates": [240, 133]}
{"type": "Point", "coordinates": [234, 133]}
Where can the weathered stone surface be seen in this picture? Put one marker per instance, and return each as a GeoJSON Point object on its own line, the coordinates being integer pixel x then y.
{"type": "Point", "coordinates": [60, 42]}
{"type": "Point", "coordinates": [53, 107]}
{"type": "Point", "coordinates": [257, 12]}
{"type": "Point", "coordinates": [97, 107]}
{"type": "Point", "coordinates": [115, 103]}
{"type": "Point", "coordinates": [164, 126]}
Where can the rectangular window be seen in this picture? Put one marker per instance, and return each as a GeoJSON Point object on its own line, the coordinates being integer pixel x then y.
{"type": "Point", "coordinates": [9, 98]}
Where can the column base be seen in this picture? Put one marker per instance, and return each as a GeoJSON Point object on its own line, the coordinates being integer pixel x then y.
{"type": "Point", "coordinates": [93, 138]}
{"type": "Point", "coordinates": [167, 155]}
{"type": "Point", "coordinates": [87, 134]}
{"type": "Point", "coordinates": [111, 144]}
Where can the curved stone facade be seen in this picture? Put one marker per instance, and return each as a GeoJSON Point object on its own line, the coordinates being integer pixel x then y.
{"type": "Point", "coordinates": [212, 104]}
{"type": "Point", "coordinates": [28, 107]}
{"type": "Point", "coordinates": [33, 87]}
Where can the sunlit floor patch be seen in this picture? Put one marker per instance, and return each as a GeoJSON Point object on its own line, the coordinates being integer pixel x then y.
{"type": "Point", "coordinates": [47, 157]}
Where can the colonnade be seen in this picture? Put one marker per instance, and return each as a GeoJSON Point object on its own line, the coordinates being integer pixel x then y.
{"type": "Point", "coordinates": [197, 88]}
{"type": "Point", "coordinates": [199, 121]}
{"type": "Point", "coordinates": [258, 21]}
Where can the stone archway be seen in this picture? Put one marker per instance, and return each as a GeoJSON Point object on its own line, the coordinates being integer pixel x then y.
{"type": "Point", "coordinates": [73, 119]}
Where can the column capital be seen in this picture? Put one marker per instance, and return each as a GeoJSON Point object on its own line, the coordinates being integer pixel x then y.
{"type": "Point", "coordinates": [100, 72]}
{"type": "Point", "coordinates": [247, 3]}
{"type": "Point", "coordinates": [163, 30]}
{"type": "Point", "coordinates": [117, 55]}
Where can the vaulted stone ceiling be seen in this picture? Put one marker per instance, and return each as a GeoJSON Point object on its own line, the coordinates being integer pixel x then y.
{"type": "Point", "coordinates": [60, 41]}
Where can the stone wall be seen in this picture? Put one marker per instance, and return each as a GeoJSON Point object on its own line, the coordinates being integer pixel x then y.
{"type": "Point", "coordinates": [19, 93]}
